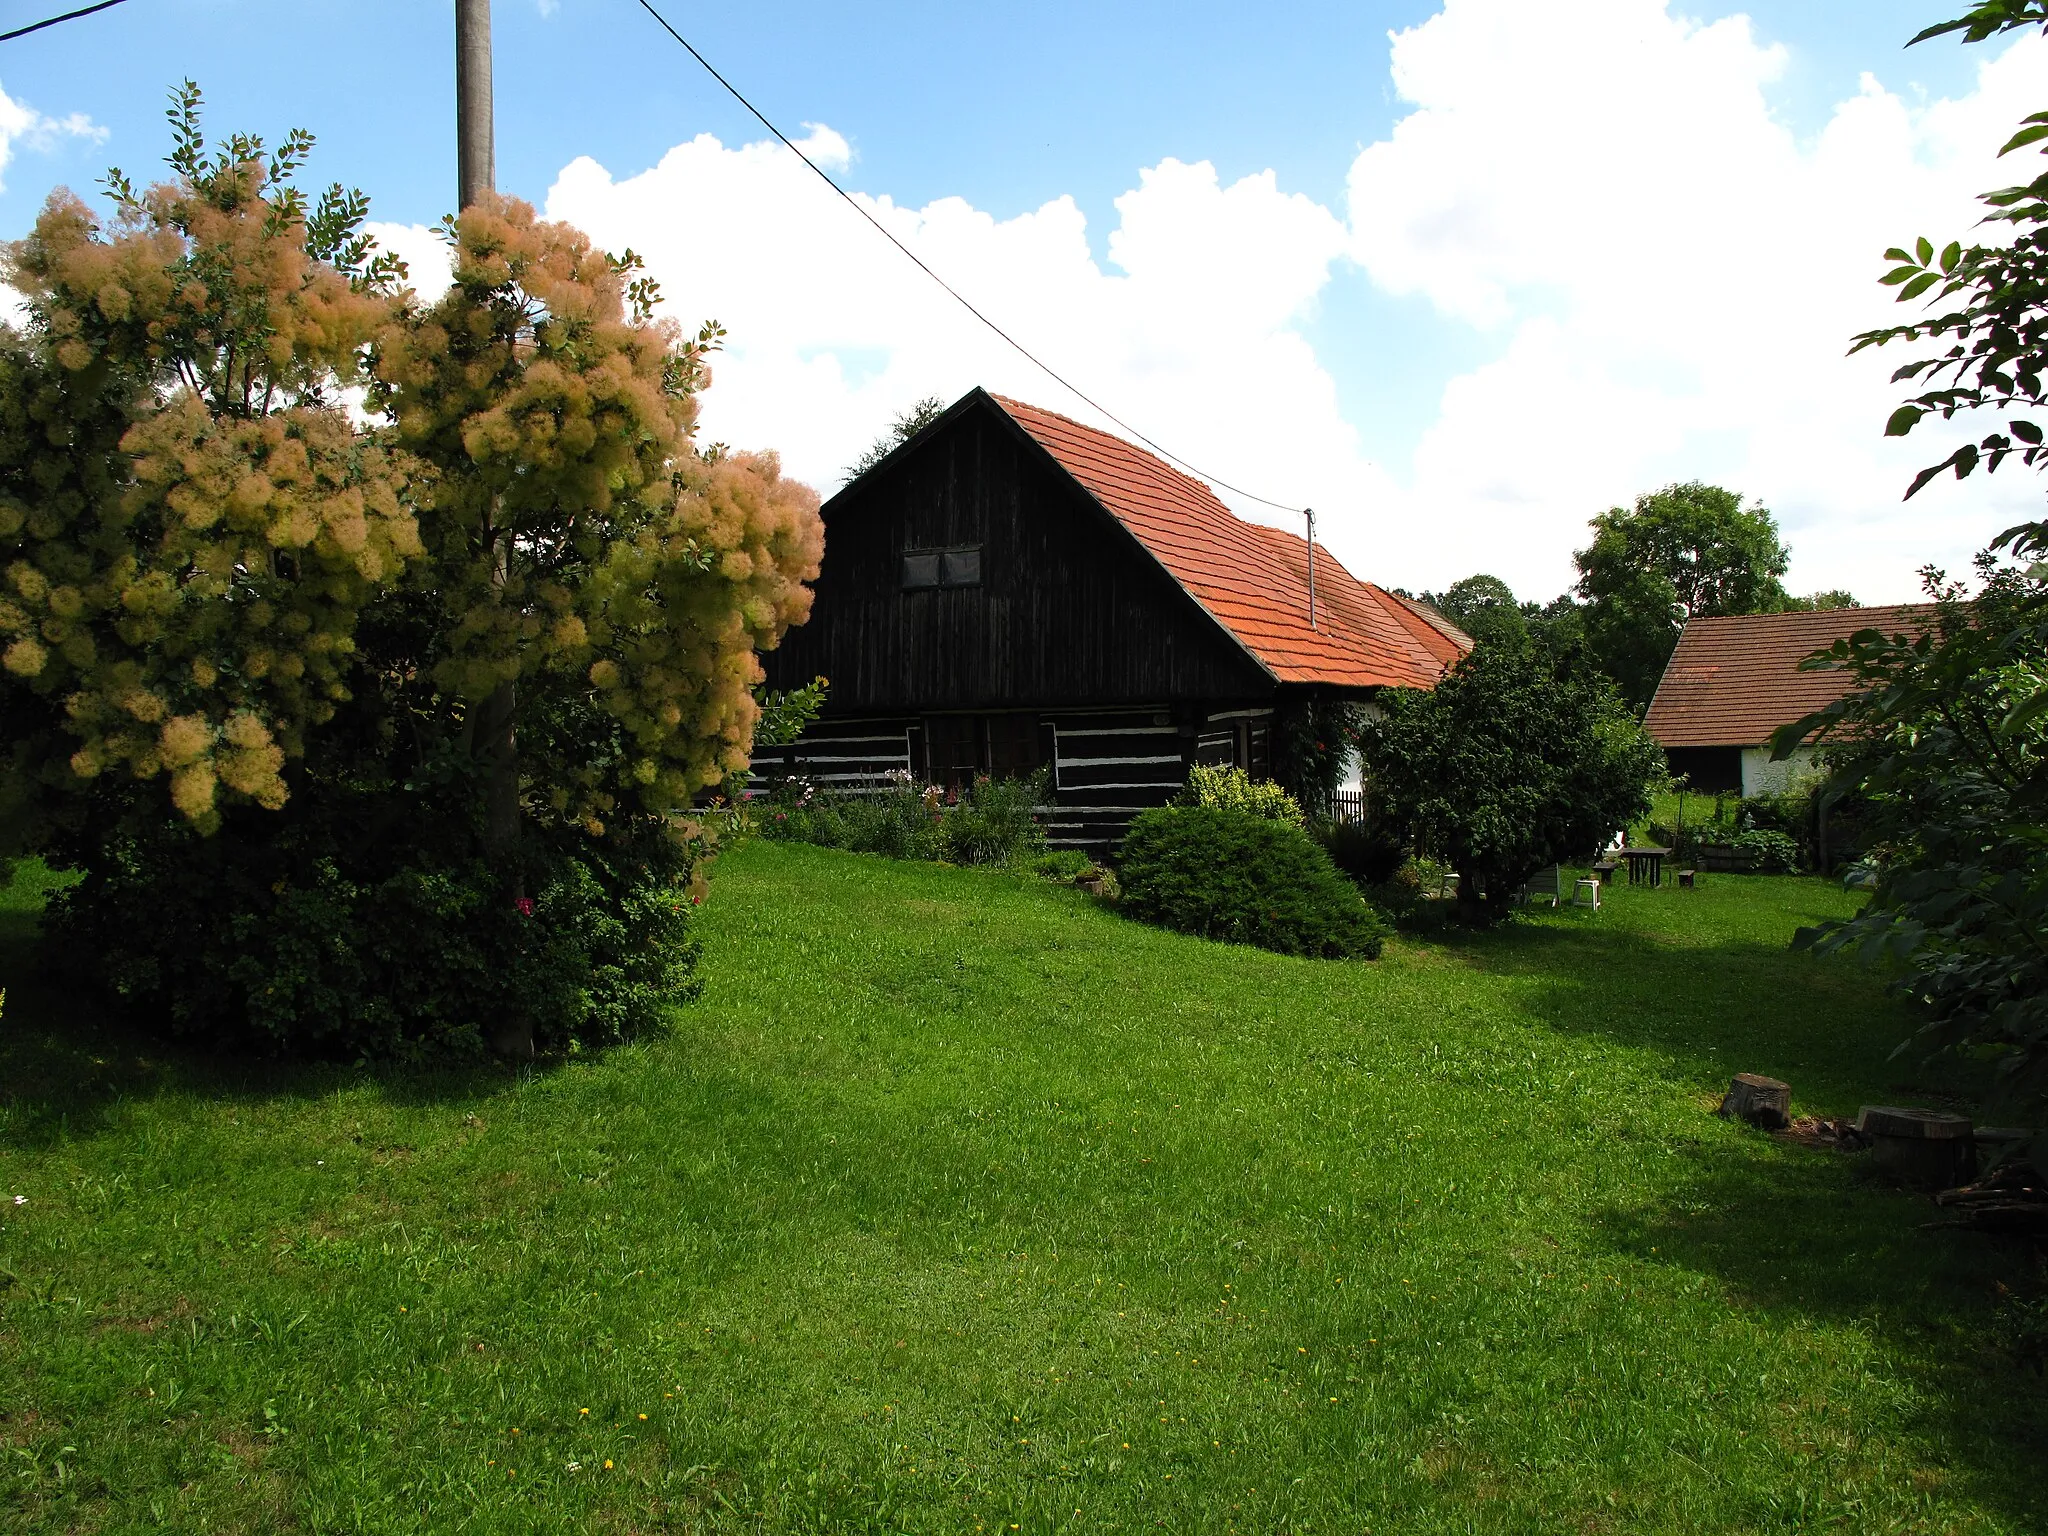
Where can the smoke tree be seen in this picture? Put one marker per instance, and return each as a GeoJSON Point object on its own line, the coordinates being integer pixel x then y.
{"type": "Point", "coordinates": [345, 638]}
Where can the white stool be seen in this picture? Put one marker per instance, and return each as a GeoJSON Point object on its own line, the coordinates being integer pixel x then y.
{"type": "Point", "coordinates": [1589, 889]}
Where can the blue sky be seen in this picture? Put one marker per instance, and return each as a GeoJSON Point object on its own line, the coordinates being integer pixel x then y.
{"type": "Point", "coordinates": [1010, 108]}
{"type": "Point", "coordinates": [1006, 105]}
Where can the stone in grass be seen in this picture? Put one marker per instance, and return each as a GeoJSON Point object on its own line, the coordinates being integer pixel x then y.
{"type": "Point", "coordinates": [1920, 1146]}
{"type": "Point", "coordinates": [1763, 1102]}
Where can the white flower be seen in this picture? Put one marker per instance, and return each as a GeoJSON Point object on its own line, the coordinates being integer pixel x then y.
{"type": "Point", "coordinates": [21, 1199]}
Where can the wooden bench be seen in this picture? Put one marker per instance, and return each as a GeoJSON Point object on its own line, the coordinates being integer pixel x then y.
{"type": "Point", "coordinates": [1685, 879]}
{"type": "Point", "coordinates": [1603, 870]}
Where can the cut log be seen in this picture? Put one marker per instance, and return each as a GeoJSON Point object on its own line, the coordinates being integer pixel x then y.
{"type": "Point", "coordinates": [1921, 1124]}
{"type": "Point", "coordinates": [1761, 1101]}
{"type": "Point", "coordinates": [1920, 1146]}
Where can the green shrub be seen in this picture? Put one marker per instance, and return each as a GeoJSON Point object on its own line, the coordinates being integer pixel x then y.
{"type": "Point", "coordinates": [1065, 865]}
{"type": "Point", "coordinates": [1232, 789]}
{"type": "Point", "coordinates": [1230, 875]}
{"type": "Point", "coordinates": [1767, 852]}
{"type": "Point", "coordinates": [996, 821]}
{"type": "Point", "coordinates": [300, 937]}
{"type": "Point", "coordinates": [1369, 851]}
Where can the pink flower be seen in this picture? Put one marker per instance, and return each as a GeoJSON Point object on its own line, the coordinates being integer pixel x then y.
{"type": "Point", "coordinates": [525, 906]}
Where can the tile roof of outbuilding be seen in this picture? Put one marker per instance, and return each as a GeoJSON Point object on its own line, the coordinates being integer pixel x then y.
{"type": "Point", "coordinates": [1731, 682]}
{"type": "Point", "coordinates": [1251, 579]}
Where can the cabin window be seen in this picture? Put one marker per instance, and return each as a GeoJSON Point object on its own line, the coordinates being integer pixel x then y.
{"type": "Point", "coordinates": [958, 566]}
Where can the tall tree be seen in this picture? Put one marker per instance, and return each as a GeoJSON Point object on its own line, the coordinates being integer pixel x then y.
{"type": "Point", "coordinates": [1478, 605]}
{"type": "Point", "coordinates": [1945, 736]}
{"type": "Point", "coordinates": [1522, 756]}
{"type": "Point", "coordinates": [1686, 551]}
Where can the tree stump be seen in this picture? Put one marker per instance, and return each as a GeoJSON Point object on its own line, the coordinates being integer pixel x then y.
{"type": "Point", "coordinates": [1763, 1102]}
{"type": "Point", "coordinates": [1920, 1146]}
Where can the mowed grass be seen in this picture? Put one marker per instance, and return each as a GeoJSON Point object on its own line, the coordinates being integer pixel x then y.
{"type": "Point", "coordinates": [958, 1204]}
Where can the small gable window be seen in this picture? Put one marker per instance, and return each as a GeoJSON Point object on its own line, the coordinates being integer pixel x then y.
{"type": "Point", "coordinates": [958, 566]}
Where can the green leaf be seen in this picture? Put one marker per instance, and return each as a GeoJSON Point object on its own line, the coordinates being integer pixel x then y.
{"type": "Point", "coordinates": [1896, 254]}
{"type": "Point", "coordinates": [1903, 420]}
{"type": "Point", "coordinates": [1898, 275]}
{"type": "Point", "coordinates": [2024, 714]}
{"type": "Point", "coordinates": [1954, 251]}
{"type": "Point", "coordinates": [2025, 431]}
{"type": "Point", "coordinates": [2024, 137]}
{"type": "Point", "coordinates": [1923, 248]}
{"type": "Point", "coordinates": [1918, 286]}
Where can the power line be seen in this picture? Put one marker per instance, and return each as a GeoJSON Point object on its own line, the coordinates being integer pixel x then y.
{"type": "Point", "coordinates": [104, 5]}
{"type": "Point", "coordinates": [1044, 367]}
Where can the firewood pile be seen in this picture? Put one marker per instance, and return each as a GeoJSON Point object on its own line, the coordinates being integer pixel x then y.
{"type": "Point", "coordinates": [2010, 1198]}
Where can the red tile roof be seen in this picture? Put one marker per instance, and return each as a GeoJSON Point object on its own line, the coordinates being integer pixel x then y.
{"type": "Point", "coordinates": [1444, 639]}
{"type": "Point", "coordinates": [1733, 681]}
{"type": "Point", "coordinates": [1251, 580]}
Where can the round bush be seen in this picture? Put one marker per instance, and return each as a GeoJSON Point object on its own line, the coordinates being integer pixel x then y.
{"type": "Point", "coordinates": [1229, 875]}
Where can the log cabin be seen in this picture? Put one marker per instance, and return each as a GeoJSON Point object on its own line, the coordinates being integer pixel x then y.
{"type": "Point", "coordinates": [1011, 590]}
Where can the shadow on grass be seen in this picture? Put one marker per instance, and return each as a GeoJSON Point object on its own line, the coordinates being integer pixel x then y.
{"type": "Point", "coordinates": [1723, 1005]}
{"type": "Point", "coordinates": [1795, 1230]}
{"type": "Point", "coordinates": [67, 1060]}
{"type": "Point", "coordinates": [1815, 1233]}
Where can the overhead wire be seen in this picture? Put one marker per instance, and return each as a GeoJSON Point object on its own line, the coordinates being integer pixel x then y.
{"type": "Point", "coordinates": [1023, 351]}
{"type": "Point", "coordinates": [86, 10]}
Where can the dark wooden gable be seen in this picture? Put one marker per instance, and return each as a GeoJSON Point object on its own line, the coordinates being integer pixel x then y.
{"type": "Point", "coordinates": [1070, 608]}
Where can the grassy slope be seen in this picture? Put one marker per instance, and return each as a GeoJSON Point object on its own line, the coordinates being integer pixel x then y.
{"type": "Point", "coordinates": [958, 1204]}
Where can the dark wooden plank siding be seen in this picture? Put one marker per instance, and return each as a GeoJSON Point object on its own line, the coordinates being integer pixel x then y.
{"type": "Point", "coordinates": [846, 756]}
{"type": "Point", "coordinates": [1070, 611]}
{"type": "Point", "coordinates": [1104, 766]}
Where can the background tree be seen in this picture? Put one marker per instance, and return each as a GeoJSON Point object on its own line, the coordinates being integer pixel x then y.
{"type": "Point", "coordinates": [1479, 605]}
{"type": "Point", "coordinates": [901, 431]}
{"type": "Point", "coordinates": [1483, 605]}
{"type": "Point", "coordinates": [1816, 602]}
{"type": "Point", "coordinates": [1686, 551]}
{"type": "Point", "coordinates": [220, 580]}
{"type": "Point", "coordinates": [1523, 756]}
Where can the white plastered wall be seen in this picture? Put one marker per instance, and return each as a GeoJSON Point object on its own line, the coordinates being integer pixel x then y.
{"type": "Point", "coordinates": [1761, 776]}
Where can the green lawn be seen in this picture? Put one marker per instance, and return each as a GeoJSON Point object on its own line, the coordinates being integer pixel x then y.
{"type": "Point", "coordinates": [959, 1204]}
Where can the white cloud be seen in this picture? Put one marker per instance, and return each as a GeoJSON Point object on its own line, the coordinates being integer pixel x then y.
{"type": "Point", "coordinates": [833, 332]}
{"type": "Point", "coordinates": [1667, 276]}
{"type": "Point", "coordinates": [1674, 277]}
{"type": "Point", "coordinates": [22, 124]}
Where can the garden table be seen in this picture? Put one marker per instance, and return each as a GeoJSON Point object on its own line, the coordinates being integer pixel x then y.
{"type": "Point", "coordinates": [1645, 864]}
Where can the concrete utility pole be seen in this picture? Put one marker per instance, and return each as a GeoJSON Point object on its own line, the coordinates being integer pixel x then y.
{"type": "Point", "coordinates": [475, 145]}
{"type": "Point", "coordinates": [494, 741]}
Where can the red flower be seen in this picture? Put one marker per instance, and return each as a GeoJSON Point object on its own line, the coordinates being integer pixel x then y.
{"type": "Point", "coordinates": [525, 906]}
